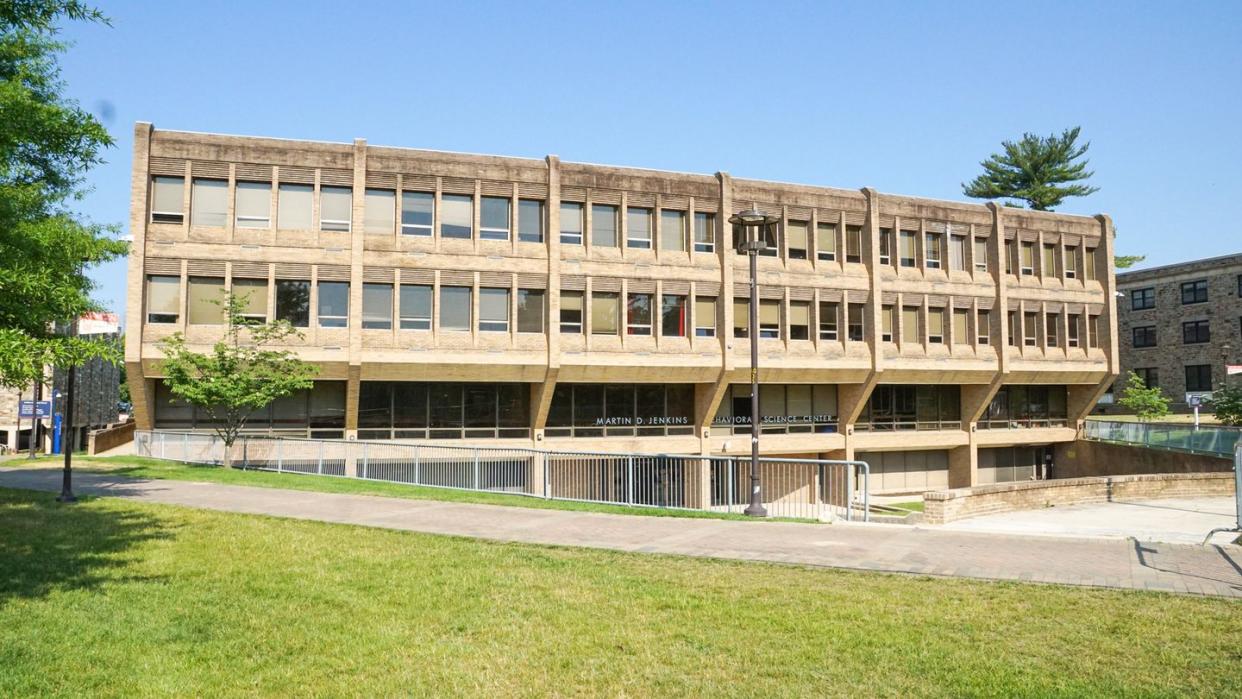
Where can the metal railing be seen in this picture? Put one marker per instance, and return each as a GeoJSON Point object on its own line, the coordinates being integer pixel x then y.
{"type": "Point", "coordinates": [795, 488]}
{"type": "Point", "coordinates": [1206, 439]}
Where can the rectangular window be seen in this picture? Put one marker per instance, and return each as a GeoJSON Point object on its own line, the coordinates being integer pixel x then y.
{"type": "Point", "coordinates": [333, 304]}
{"type": "Point", "coordinates": [1013, 329]}
{"type": "Point", "coordinates": [770, 319]}
{"type": "Point", "coordinates": [293, 302]}
{"type": "Point", "coordinates": [983, 327]}
{"type": "Point", "coordinates": [530, 310]}
{"type": "Point", "coordinates": [853, 243]}
{"type": "Point", "coordinates": [886, 246]}
{"type": "Point", "coordinates": [672, 230]}
{"type": "Point", "coordinates": [932, 250]}
{"type": "Point", "coordinates": [1071, 262]}
{"type": "Point", "coordinates": [571, 312]}
{"type": "Point", "coordinates": [981, 254]}
{"type": "Point", "coordinates": [530, 220]}
{"type": "Point", "coordinates": [672, 315]}
{"type": "Point", "coordinates": [1030, 326]}
{"type": "Point", "coordinates": [163, 299]}
{"type": "Point", "coordinates": [1150, 377]}
{"type": "Point", "coordinates": [204, 298]}
{"type": "Point", "coordinates": [910, 334]}
{"type": "Point", "coordinates": [935, 326]}
{"type": "Point", "coordinates": [1093, 331]}
{"type": "Point", "coordinates": [1142, 299]}
{"type": "Point", "coordinates": [494, 218]}
{"type": "Point", "coordinates": [961, 330]}
{"type": "Point", "coordinates": [209, 203]}
{"type": "Point", "coordinates": [335, 208]}
{"type": "Point", "coordinates": [826, 241]}
{"type": "Point", "coordinates": [571, 223]}
{"type": "Point", "coordinates": [1089, 263]}
{"type": "Point", "coordinates": [167, 204]}
{"type": "Point", "coordinates": [253, 204]}
{"type": "Point", "coordinates": [1051, 322]}
{"type": "Point", "coordinates": [493, 310]}
{"type": "Point", "coordinates": [638, 314]}
{"type": "Point", "coordinates": [1010, 257]}
{"type": "Point", "coordinates": [252, 294]}
{"type": "Point", "coordinates": [1196, 332]}
{"type": "Point", "coordinates": [1143, 336]}
{"type": "Point", "coordinates": [415, 306]}
{"type": "Point", "coordinates": [741, 317]}
{"type": "Point", "coordinates": [294, 207]}
{"type": "Point", "coordinates": [799, 320]}
{"type": "Point", "coordinates": [1072, 338]}
{"type": "Point", "coordinates": [417, 213]}
{"type": "Point", "coordinates": [704, 232]}
{"type": "Point", "coordinates": [888, 318]}
{"type": "Point", "coordinates": [455, 309]}
{"type": "Point", "coordinates": [1195, 292]}
{"type": "Point", "coordinates": [705, 316]}
{"type": "Point", "coordinates": [377, 306]}
{"type": "Point", "coordinates": [796, 234]}
{"type": "Point", "coordinates": [605, 313]}
{"type": "Point", "coordinates": [604, 225]}
{"type": "Point", "coordinates": [380, 211]}
{"type": "Point", "coordinates": [638, 228]}
{"type": "Point", "coordinates": [456, 216]}
{"type": "Point", "coordinates": [828, 311]}
{"type": "Point", "coordinates": [854, 323]}
{"type": "Point", "coordinates": [1028, 259]}
{"type": "Point", "coordinates": [906, 249]}
{"type": "Point", "coordinates": [1048, 266]}
{"type": "Point", "coordinates": [1198, 377]}
{"type": "Point", "coordinates": [957, 253]}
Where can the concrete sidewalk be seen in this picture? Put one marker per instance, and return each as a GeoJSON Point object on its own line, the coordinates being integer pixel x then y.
{"type": "Point", "coordinates": [1127, 564]}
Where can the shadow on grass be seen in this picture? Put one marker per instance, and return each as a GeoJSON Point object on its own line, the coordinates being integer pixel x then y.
{"type": "Point", "coordinates": [46, 546]}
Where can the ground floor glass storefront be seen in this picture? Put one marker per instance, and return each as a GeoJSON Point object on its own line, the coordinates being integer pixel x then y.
{"type": "Point", "coordinates": [435, 410]}
{"type": "Point", "coordinates": [783, 409]}
{"type": "Point", "coordinates": [318, 413]}
{"type": "Point", "coordinates": [904, 407]}
{"type": "Point", "coordinates": [1026, 406]}
{"type": "Point", "coordinates": [626, 410]}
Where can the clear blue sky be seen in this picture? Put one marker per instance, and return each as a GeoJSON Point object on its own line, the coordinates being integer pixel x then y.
{"type": "Point", "coordinates": [902, 97]}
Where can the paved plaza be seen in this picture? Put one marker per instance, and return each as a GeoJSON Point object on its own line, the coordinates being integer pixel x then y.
{"type": "Point", "coordinates": [1116, 563]}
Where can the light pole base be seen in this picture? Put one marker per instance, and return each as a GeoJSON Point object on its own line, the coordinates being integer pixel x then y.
{"type": "Point", "coordinates": [66, 497]}
{"type": "Point", "coordinates": [755, 510]}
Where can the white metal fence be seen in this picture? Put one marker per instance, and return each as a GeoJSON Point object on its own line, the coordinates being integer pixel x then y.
{"type": "Point", "coordinates": [799, 488]}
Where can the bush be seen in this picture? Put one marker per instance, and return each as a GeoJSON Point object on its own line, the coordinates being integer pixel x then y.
{"type": "Point", "coordinates": [1227, 405]}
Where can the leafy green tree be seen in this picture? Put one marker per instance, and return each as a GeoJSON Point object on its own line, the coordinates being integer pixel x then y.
{"type": "Point", "coordinates": [1127, 261]}
{"type": "Point", "coordinates": [241, 373]}
{"type": "Point", "coordinates": [1227, 405]}
{"type": "Point", "coordinates": [47, 144]}
{"type": "Point", "coordinates": [1147, 403]}
{"type": "Point", "coordinates": [1039, 171]}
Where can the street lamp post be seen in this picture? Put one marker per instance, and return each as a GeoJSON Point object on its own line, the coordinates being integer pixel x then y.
{"type": "Point", "coordinates": [66, 435]}
{"type": "Point", "coordinates": [753, 222]}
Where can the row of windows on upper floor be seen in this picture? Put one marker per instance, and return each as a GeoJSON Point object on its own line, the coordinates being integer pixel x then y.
{"type": "Point", "coordinates": [598, 313]}
{"type": "Point", "coordinates": [1192, 292]}
{"type": "Point", "coordinates": [1194, 332]}
{"type": "Point", "coordinates": [1198, 377]}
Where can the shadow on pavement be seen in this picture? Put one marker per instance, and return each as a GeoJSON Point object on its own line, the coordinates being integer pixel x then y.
{"type": "Point", "coordinates": [1149, 553]}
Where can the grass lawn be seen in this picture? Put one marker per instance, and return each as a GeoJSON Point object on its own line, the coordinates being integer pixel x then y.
{"type": "Point", "coordinates": [1205, 418]}
{"type": "Point", "coordinates": [913, 505]}
{"type": "Point", "coordinates": [113, 598]}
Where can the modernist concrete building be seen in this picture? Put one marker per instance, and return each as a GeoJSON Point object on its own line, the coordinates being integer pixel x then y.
{"type": "Point", "coordinates": [1179, 325]}
{"type": "Point", "coordinates": [555, 304]}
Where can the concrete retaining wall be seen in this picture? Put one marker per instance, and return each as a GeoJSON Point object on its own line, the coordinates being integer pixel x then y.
{"type": "Point", "coordinates": [109, 437]}
{"type": "Point", "coordinates": [1086, 458]}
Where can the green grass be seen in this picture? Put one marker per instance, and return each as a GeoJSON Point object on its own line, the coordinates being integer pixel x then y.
{"type": "Point", "coordinates": [115, 598]}
{"type": "Point", "coordinates": [142, 467]}
{"type": "Point", "coordinates": [913, 505]}
{"type": "Point", "coordinates": [1205, 418]}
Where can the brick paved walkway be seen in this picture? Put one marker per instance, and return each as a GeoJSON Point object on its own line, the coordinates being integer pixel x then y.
{"type": "Point", "coordinates": [1212, 570]}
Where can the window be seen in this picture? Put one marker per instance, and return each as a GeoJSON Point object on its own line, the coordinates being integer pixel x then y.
{"type": "Point", "coordinates": [853, 243]}
{"type": "Point", "coordinates": [1030, 324]}
{"type": "Point", "coordinates": [494, 218]}
{"type": "Point", "coordinates": [1240, 285]}
{"type": "Point", "coordinates": [741, 317]}
{"type": "Point", "coordinates": [415, 306]}
{"type": "Point", "coordinates": [983, 327]}
{"type": "Point", "coordinates": [828, 311]}
{"type": "Point", "coordinates": [799, 320]}
{"type": "Point", "coordinates": [1048, 265]}
{"type": "Point", "coordinates": [1149, 376]}
{"type": "Point", "coordinates": [1013, 329]}
{"type": "Point", "coordinates": [1195, 332]}
{"type": "Point", "coordinates": [333, 304]}
{"type": "Point", "coordinates": [771, 236]}
{"type": "Point", "coordinates": [826, 241]}
{"type": "Point", "coordinates": [530, 310]}
{"type": "Point", "coordinates": [1143, 336]}
{"type": "Point", "coordinates": [604, 225]}
{"type": "Point", "coordinates": [252, 295]}
{"type": "Point", "coordinates": [638, 314]}
{"type": "Point", "coordinates": [672, 315]}
{"type": "Point", "coordinates": [605, 313]}
{"type": "Point", "coordinates": [704, 232]}
{"type": "Point", "coordinates": [1089, 263]}
{"type": "Point", "coordinates": [981, 254]}
{"type": "Point", "coordinates": [957, 253]}
{"type": "Point", "coordinates": [493, 310]}
{"type": "Point", "coordinates": [571, 312]}
{"type": "Point", "coordinates": [293, 302]}
{"type": "Point", "coordinates": [167, 205]}
{"type": "Point", "coordinates": [961, 329]}
{"type": "Point", "coordinates": [1073, 321]}
{"type": "Point", "coordinates": [1198, 377]}
{"type": "Point", "coordinates": [1194, 292]}
{"type": "Point", "coordinates": [905, 407]}
{"type": "Point", "coordinates": [888, 317]}
{"type": "Point", "coordinates": [1051, 322]}
{"type": "Point", "coordinates": [593, 410]}
{"type": "Point", "coordinates": [1028, 259]}
{"type": "Point", "coordinates": [335, 208]}
{"type": "Point", "coordinates": [854, 324]}
{"type": "Point", "coordinates": [796, 233]}
{"type": "Point", "coordinates": [906, 249]}
{"type": "Point", "coordinates": [1093, 331]}
{"type": "Point", "coordinates": [294, 205]}
{"type": "Point", "coordinates": [935, 326]}
{"type": "Point", "coordinates": [530, 220]}
{"type": "Point", "coordinates": [417, 213]}
{"type": "Point", "coordinates": [1025, 406]}
{"type": "Point", "coordinates": [783, 408]}
{"type": "Point", "coordinates": [1070, 262]}
{"type": "Point", "coordinates": [163, 299]}
{"type": "Point", "coordinates": [436, 410]}
{"type": "Point", "coordinates": [1010, 257]}
{"type": "Point", "coordinates": [203, 301]}
{"type": "Point", "coordinates": [377, 306]}
{"type": "Point", "coordinates": [886, 246]}
{"type": "Point", "coordinates": [456, 216]}
{"type": "Point", "coordinates": [571, 223]}
{"type": "Point", "coordinates": [455, 308]}
{"type": "Point", "coordinates": [910, 334]}
{"type": "Point", "coordinates": [672, 230]}
{"type": "Point", "coordinates": [209, 203]}
{"type": "Point", "coordinates": [1142, 299]}
{"type": "Point", "coordinates": [638, 228]}
{"type": "Point", "coordinates": [705, 316]}
{"type": "Point", "coordinates": [380, 212]}
{"type": "Point", "coordinates": [932, 250]}
{"type": "Point", "coordinates": [770, 319]}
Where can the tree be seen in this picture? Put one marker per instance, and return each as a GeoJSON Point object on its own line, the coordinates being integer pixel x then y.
{"type": "Point", "coordinates": [1227, 405]}
{"type": "Point", "coordinates": [47, 144]}
{"type": "Point", "coordinates": [1147, 403]}
{"type": "Point", "coordinates": [1127, 261]}
{"type": "Point", "coordinates": [1039, 171]}
{"type": "Point", "coordinates": [240, 375]}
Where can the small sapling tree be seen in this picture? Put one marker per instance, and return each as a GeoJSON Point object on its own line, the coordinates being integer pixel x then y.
{"type": "Point", "coordinates": [1147, 403]}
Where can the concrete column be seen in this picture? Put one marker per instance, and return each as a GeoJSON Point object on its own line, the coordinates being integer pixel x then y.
{"type": "Point", "coordinates": [727, 258]}
{"type": "Point", "coordinates": [534, 474]}
{"type": "Point", "coordinates": [541, 403]}
{"type": "Point", "coordinates": [851, 398]}
{"type": "Point", "coordinates": [964, 465]}
{"type": "Point", "coordinates": [1000, 309]}
{"type": "Point", "coordinates": [357, 237]}
{"type": "Point", "coordinates": [871, 256]}
{"type": "Point", "coordinates": [352, 386]}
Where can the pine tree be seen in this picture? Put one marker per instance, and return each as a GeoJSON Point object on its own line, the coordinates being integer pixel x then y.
{"type": "Point", "coordinates": [1039, 171]}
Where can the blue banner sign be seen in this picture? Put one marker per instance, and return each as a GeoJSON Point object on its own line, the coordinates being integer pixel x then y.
{"type": "Point", "coordinates": [32, 409]}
